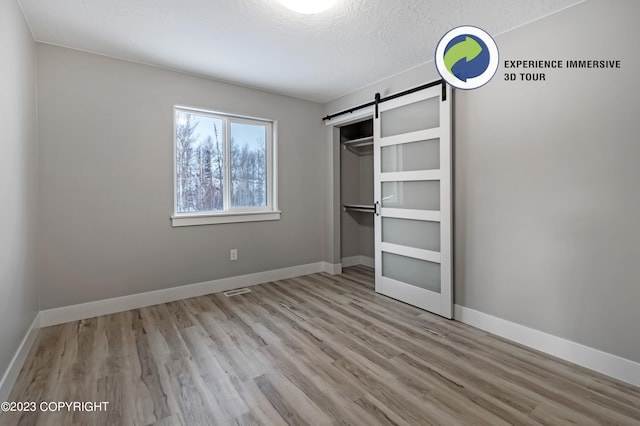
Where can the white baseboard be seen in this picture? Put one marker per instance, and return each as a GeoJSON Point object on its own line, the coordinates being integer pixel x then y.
{"type": "Point", "coordinates": [333, 268]}
{"type": "Point", "coordinates": [594, 359]}
{"type": "Point", "coordinates": [358, 260]}
{"type": "Point", "coordinates": [141, 300]}
{"type": "Point", "coordinates": [11, 374]}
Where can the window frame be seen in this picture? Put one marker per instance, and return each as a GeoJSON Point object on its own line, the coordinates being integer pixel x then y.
{"type": "Point", "coordinates": [230, 214]}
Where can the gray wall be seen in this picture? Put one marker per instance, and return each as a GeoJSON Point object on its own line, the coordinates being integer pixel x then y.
{"type": "Point", "coordinates": [356, 181]}
{"type": "Point", "coordinates": [367, 241]}
{"type": "Point", "coordinates": [106, 136]}
{"type": "Point", "coordinates": [546, 181]}
{"type": "Point", "coordinates": [18, 181]}
{"type": "Point", "coordinates": [349, 193]}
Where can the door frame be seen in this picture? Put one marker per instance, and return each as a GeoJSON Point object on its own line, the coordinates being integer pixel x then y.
{"type": "Point", "coordinates": [333, 250]}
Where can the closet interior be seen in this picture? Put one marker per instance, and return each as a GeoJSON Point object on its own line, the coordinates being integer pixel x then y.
{"type": "Point", "coordinates": [356, 194]}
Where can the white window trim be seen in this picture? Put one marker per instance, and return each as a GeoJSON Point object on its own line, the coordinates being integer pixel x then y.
{"type": "Point", "coordinates": [233, 215]}
{"type": "Point", "coordinates": [226, 217]}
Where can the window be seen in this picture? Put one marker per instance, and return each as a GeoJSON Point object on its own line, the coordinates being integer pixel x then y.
{"type": "Point", "coordinates": [225, 168]}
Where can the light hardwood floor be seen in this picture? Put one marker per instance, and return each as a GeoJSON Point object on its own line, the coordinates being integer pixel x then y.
{"type": "Point", "coordinates": [319, 349]}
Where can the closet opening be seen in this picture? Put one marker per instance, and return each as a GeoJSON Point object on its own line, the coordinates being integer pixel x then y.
{"type": "Point", "coordinates": [357, 241]}
{"type": "Point", "coordinates": [391, 205]}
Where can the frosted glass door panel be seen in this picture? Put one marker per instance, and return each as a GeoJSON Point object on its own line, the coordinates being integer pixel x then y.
{"type": "Point", "coordinates": [408, 157]}
{"type": "Point", "coordinates": [411, 233]}
{"type": "Point", "coordinates": [418, 195]}
{"type": "Point", "coordinates": [411, 117]}
{"type": "Point", "coordinates": [419, 273]}
{"type": "Point", "coordinates": [412, 184]}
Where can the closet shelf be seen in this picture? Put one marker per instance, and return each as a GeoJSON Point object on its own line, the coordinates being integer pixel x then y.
{"type": "Point", "coordinates": [361, 145]}
{"type": "Point", "coordinates": [366, 208]}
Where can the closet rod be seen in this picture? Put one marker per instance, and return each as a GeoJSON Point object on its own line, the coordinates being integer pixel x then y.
{"type": "Point", "coordinates": [388, 98]}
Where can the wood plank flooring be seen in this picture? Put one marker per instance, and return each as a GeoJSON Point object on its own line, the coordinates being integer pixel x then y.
{"type": "Point", "coordinates": [318, 350]}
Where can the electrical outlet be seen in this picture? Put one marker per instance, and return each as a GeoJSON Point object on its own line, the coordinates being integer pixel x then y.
{"type": "Point", "coordinates": [233, 254]}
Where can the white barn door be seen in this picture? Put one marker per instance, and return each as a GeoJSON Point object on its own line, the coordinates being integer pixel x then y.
{"type": "Point", "coordinates": [412, 171]}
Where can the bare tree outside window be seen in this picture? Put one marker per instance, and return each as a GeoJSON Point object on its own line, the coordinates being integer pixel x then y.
{"type": "Point", "coordinates": [248, 165]}
{"type": "Point", "coordinates": [213, 151]}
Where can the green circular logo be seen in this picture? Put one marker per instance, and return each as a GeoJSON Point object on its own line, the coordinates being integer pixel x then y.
{"type": "Point", "coordinates": [467, 57]}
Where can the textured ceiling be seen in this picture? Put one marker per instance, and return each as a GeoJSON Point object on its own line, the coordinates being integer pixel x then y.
{"type": "Point", "coordinates": [259, 43]}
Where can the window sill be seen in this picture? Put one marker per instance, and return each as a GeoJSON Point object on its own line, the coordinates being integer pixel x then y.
{"type": "Point", "coordinates": [213, 219]}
